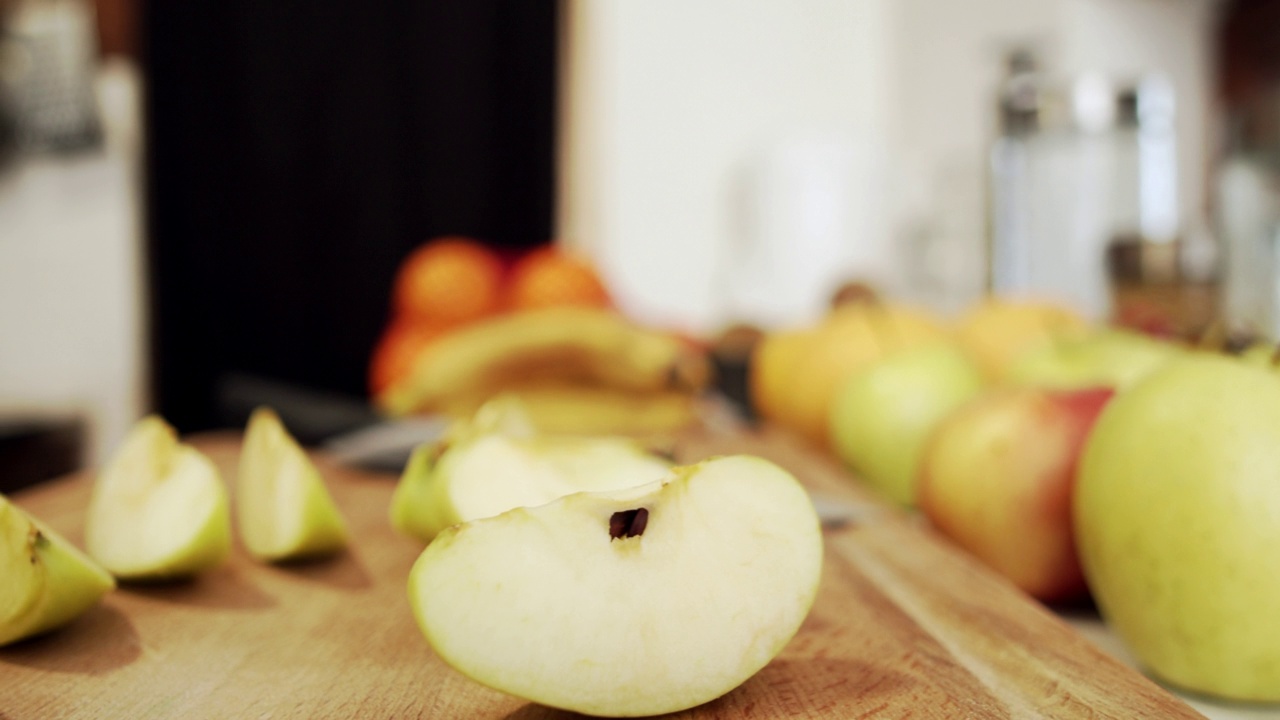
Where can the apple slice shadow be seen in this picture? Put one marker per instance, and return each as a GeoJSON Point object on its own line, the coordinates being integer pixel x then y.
{"type": "Point", "coordinates": [1079, 607]}
{"type": "Point", "coordinates": [534, 711]}
{"type": "Point", "coordinates": [342, 571]}
{"type": "Point", "coordinates": [98, 642]}
{"type": "Point", "coordinates": [832, 687]}
{"type": "Point", "coordinates": [224, 587]}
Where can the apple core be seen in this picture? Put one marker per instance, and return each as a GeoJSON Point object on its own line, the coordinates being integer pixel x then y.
{"type": "Point", "coordinates": [628, 523]}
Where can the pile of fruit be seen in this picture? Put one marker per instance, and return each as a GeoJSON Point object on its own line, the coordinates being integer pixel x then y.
{"type": "Point", "coordinates": [466, 328]}
{"type": "Point", "coordinates": [1071, 458]}
{"type": "Point", "coordinates": [160, 510]}
{"type": "Point", "coordinates": [451, 282]}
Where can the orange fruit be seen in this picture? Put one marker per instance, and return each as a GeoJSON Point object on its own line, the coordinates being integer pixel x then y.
{"type": "Point", "coordinates": [398, 349]}
{"type": "Point", "coordinates": [449, 279]}
{"type": "Point", "coordinates": [550, 277]}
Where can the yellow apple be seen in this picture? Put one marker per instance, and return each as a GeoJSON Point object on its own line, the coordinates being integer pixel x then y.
{"type": "Point", "coordinates": [771, 372]}
{"type": "Point", "coordinates": [997, 332]}
{"type": "Point", "coordinates": [1178, 519]}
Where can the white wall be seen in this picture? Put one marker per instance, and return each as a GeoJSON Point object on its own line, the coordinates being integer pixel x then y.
{"type": "Point", "coordinates": [673, 108]}
{"type": "Point", "coordinates": [670, 106]}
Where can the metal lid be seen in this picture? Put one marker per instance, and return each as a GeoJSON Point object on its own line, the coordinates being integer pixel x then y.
{"type": "Point", "coordinates": [1032, 102]}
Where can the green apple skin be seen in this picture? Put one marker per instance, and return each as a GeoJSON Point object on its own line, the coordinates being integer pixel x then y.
{"type": "Point", "coordinates": [1178, 522]}
{"type": "Point", "coordinates": [415, 511]}
{"type": "Point", "coordinates": [547, 604]}
{"type": "Point", "coordinates": [998, 478]}
{"type": "Point", "coordinates": [883, 415]}
{"type": "Point", "coordinates": [48, 582]}
{"type": "Point", "coordinates": [487, 474]}
{"type": "Point", "coordinates": [285, 511]}
{"type": "Point", "coordinates": [159, 509]}
{"type": "Point", "coordinates": [1112, 358]}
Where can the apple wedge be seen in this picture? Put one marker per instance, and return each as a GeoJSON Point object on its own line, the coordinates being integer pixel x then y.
{"type": "Point", "coordinates": [486, 474]}
{"type": "Point", "coordinates": [632, 602]}
{"type": "Point", "coordinates": [158, 509]}
{"type": "Point", "coordinates": [48, 582]}
{"type": "Point", "coordinates": [284, 510]}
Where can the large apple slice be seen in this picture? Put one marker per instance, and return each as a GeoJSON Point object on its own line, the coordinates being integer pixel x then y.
{"type": "Point", "coordinates": [640, 601]}
{"type": "Point", "coordinates": [491, 473]}
{"type": "Point", "coordinates": [158, 509]}
{"type": "Point", "coordinates": [284, 510]}
{"type": "Point", "coordinates": [47, 581]}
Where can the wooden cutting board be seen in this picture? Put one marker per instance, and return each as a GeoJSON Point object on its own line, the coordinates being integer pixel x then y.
{"type": "Point", "coordinates": [904, 626]}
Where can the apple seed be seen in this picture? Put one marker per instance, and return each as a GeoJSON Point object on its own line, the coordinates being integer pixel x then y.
{"type": "Point", "coordinates": [628, 523]}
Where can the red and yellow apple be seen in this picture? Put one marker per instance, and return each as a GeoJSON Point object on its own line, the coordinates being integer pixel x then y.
{"type": "Point", "coordinates": [998, 476]}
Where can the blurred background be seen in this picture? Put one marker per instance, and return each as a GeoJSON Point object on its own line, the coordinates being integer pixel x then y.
{"type": "Point", "coordinates": [199, 195]}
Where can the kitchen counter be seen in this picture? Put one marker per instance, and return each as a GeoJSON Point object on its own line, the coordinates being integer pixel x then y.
{"type": "Point", "coordinates": [904, 625]}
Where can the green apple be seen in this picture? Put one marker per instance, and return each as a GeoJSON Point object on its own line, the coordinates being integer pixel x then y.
{"type": "Point", "coordinates": [639, 601]}
{"type": "Point", "coordinates": [159, 508]}
{"type": "Point", "coordinates": [284, 510]}
{"type": "Point", "coordinates": [997, 479]}
{"type": "Point", "coordinates": [883, 414]}
{"type": "Point", "coordinates": [1178, 522]}
{"type": "Point", "coordinates": [1113, 358]}
{"type": "Point", "coordinates": [485, 474]}
{"type": "Point", "coordinates": [48, 582]}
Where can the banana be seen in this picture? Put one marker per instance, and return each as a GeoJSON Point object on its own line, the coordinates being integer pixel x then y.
{"type": "Point", "coordinates": [581, 346]}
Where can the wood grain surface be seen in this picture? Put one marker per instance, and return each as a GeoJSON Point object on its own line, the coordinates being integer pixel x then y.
{"type": "Point", "coordinates": [904, 627]}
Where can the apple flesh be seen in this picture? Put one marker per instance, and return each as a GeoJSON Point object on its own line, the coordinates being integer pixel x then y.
{"type": "Point", "coordinates": [633, 602]}
{"type": "Point", "coordinates": [284, 510]}
{"type": "Point", "coordinates": [47, 583]}
{"type": "Point", "coordinates": [998, 477]}
{"type": "Point", "coordinates": [158, 509]}
{"type": "Point", "coordinates": [485, 474]}
{"type": "Point", "coordinates": [1178, 520]}
{"type": "Point", "coordinates": [883, 414]}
